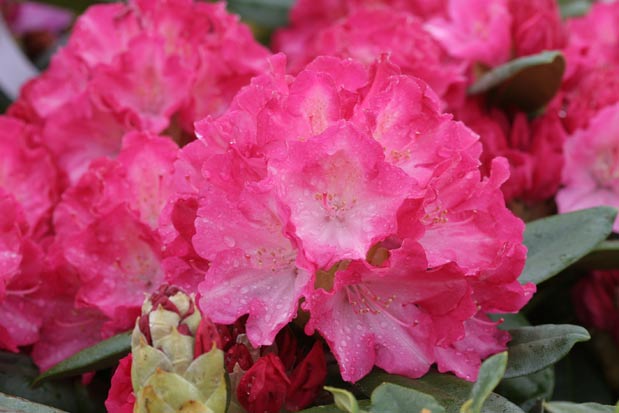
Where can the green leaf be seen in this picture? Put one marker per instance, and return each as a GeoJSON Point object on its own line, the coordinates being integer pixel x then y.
{"type": "Point", "coordinates": [19, 405]}
{"type": "Point", "coordinates": [17, 373]}
{"type": "Point", "coordinates": [558, 241]}
{"type": "Point", "coordinates": [267, 13]}
{"type": "Point", "coordinates": [344, 399]}
{"type": "Point", "coordinates": [535, 348]}
{"type": "Point", "coordinates": [490, 374]}
{"type": "Point", "coordinates": [102, 355]}
{"type": "Point", "coordinates": [392, 398]}
{"type": "Point", "coordinates": [567, 407]}
{"type": "Point", "coordinates": [527, 83]}
{"type": "Point", "coordinates": [574, 8]}
{"type": "Point", "coordinates": [448, 390]}
{"type": "Point", "coordinates": [528, 390]}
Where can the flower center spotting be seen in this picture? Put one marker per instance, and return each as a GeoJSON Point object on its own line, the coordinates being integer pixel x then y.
{"type": "Point", "coordinates": [273, 259]}
{"type": "Point", "coordinates": [340, 181]}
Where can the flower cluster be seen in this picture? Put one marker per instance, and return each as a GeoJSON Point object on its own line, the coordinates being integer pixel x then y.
{"type": "Point", "coordinates": [348, 185]}
{"type": "Point", "coordinates": [346, 188]}
{"type": "Point", "coordinates": [591, 110]}
{"type": "Point", "coordinates": [446, 43]}
{"type": "Point", "coordinates": [86, 158]}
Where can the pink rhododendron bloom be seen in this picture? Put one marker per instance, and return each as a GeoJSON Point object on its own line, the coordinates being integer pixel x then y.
{"type": "Point", "coordinates": [341, 188]}
{"type": "Point", "coordinates": [67, 326]}
{"type": "Point", "coordinates": [585, 95]}
{"type": "Point", "coordinates": [475, 30]}
{"type": "Point", "coordinates": [21, 262]}
{"type": "Point", "coordinates": [534, 148]}
{"type": "Point", "coordinates": [536, 26]}
{"type": "Point", "coordinates": [107, 222]}
{"type": "Point", "coordinates": [27, 172]}
{"type": "Point", "coordinates": [593, 39]}
{"type": "Point", "coordinates": [142, 66]}
{"type": "Point", "coordinates": [368, 32]}
{"type": "Point", "coordinates": [591, 170]}
{"type": "Point", "coordinates": [590, 82]}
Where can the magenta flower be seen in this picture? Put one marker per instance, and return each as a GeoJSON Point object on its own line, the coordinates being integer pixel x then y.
{"type": "Point", "coordinates": [144, 66]}
{"type": "Point", "coordinates": [475, 30]}
{"type": "Point", "coordinates": [346, 189]}
{"type": "Point", "coordinates": [591, 171]}
{"type": "Point", "coordinates": [366, 33]}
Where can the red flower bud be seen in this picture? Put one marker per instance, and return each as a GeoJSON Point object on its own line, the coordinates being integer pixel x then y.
{"type": "Point", "coordinates": [206, 335]}
{"type": "Point", "coordinates": [224, 335]}
{"type": "Point", "coordinates": [263, 388]}
{"type": "Point", "coordinates": [307, 379]}
{"type": "Point", "coordinates": [286, 347]}
{"type": "Point", "coordinates": [238, 353]}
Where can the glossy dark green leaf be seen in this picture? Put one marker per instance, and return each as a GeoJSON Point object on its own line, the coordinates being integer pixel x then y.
{"type": "Point", "coordinates": [527, 83]}
{"type": "Point", "coordinates": [490, 374]}
{"type": "Point", "coordinates": [17, 373]}
{"type": "Point", "coordinates": [567, 407]}
{"type": "Point", "coordinates": [393, 398]}
{"type": "Point", "coordinates": [559, 241]}
{"type": "Point", "coordinates": [18, 405]}
{"type": "Point", "coordinates": [102, 355]}
{"type": "Point", "coordinates": [534, 348]}
{"type": "Point", "coordinates": [448, 390]}
{"type": "Point", "coordinates": [526, 391]}
{"type": "Point", "coordinates": [267, 13]}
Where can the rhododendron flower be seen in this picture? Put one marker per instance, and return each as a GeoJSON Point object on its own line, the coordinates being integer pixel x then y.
{"type": "Point", "coordinates": [106, 252]}
{"type": "Point", "coordinates": [106, 223]}
{"type": "Point", "coordinates": [593, 39]}
{"type": "Point", "coordinates": [163, 65]}
{"type": "Point", "coordinates": [534, 148]}
{"type": "Point", "coordinates": [21, 262]}
{"type": "Point", "coordinates": [590, 82]}
{"type": "Point", "coordinates": [340, 187]}
{"type": "Point", "coordinates": [263, 387]}
{"type": "Point", "coordinates": [591, 170]}
{"type": "Point", "coordinates": [268, 378]}
{"type": "Point", "coordinates": [68, 326]}
{"type": "Point", "coordinates": [28, 173]}
{"type": "Point", "coordinates": [368, 32]}
{"type": "Point", "coordinates": [536, 26]}
{"type": "Point", "coordinates": [475, 30]}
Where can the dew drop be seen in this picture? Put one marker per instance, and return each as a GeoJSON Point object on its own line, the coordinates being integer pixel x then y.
{"type": "Point", "coordinates": [229, 242]}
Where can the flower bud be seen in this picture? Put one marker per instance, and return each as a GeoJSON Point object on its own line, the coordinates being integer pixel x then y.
{"type": "Point", "coordinates": [264, 386]}
{"type": "Point", "coordinates": [307, 379]}
{"type": "Point", "coordinates": [177, 366]}
{"type": "Point", "coordinates": [238, 354]}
